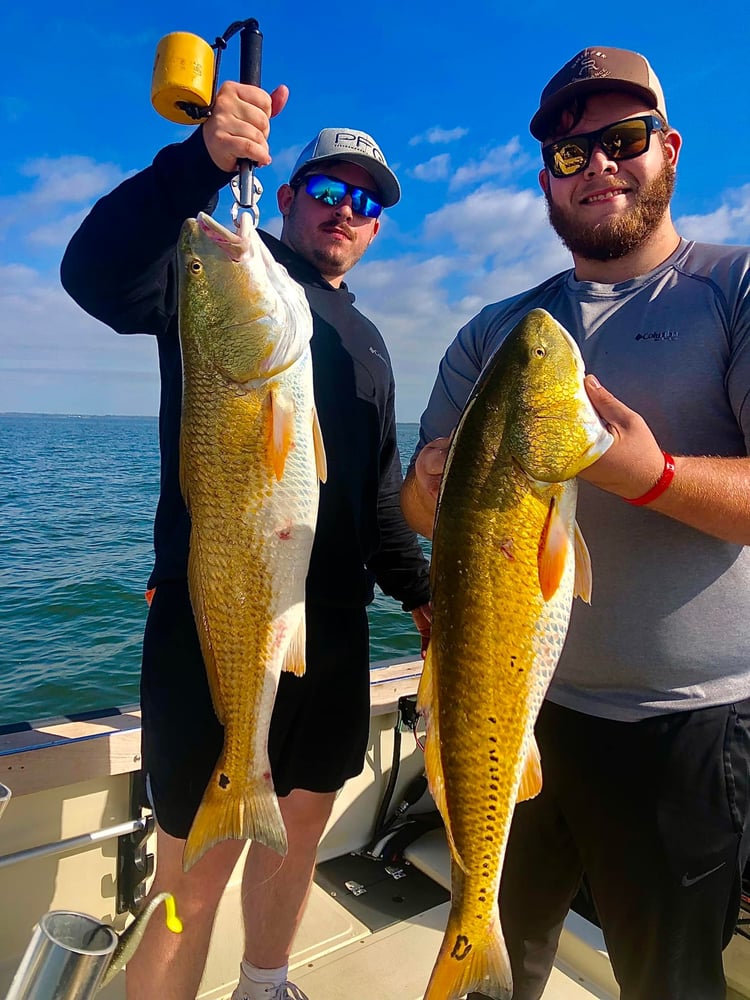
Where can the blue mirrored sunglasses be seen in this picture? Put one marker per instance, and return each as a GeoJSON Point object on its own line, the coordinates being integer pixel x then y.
{"type": "Point", "coordinates": [332, 191]}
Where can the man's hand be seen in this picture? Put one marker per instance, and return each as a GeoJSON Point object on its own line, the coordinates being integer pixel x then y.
{"type": "Point", "coordinates": [430, 464]}
{"type": "Point", "coordinates": [423, 620]}
{"type": "Point", "coordinates": [631, 466]}
{"type": "Point", "coordinates": [240, 123]}
{"type": "Point", "coordinates": [422, 484]}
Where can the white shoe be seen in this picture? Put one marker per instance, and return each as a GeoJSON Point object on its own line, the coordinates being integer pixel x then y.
{"type": "Point", "coordinates": [285, 991]}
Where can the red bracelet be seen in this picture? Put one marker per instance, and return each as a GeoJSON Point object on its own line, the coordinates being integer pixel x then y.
{"type": "Point", "coordinates": [659, 486]}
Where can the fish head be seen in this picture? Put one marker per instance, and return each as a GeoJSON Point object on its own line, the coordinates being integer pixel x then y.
{"type": "Point", "coordinates": [553, 431]}
{"type": "Point", "coordinates": [240, 313]}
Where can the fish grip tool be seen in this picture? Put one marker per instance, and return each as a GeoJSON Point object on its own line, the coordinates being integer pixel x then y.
{"type": "Point", "coordinates": [183, 90]}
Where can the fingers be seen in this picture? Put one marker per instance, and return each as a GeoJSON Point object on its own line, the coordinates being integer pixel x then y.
{"type": "Point", "coordinates": [279, 97]}
{"type": "Point", "coordinates": [240, 123]}
{"type": "Point", "coordinates": [635, 461]}
{"type": "Point", "coordinates": [430, 464]}
{"type": "Point", "coordinates": [423, 620]}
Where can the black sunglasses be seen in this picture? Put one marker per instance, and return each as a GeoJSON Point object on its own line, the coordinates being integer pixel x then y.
{"type": "Point", "coordinates": [622, 141]}
{"type": "Point", "coordinates": [332, 191]}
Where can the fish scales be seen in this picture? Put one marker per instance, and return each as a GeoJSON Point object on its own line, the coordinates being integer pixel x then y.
{"type": "Point", "coordinates": [496, 637]}
{"type": "Point", "coordinates": [251, 457]}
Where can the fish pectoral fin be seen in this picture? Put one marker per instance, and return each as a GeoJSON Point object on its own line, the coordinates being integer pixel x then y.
{"type": "Point", "coordinates": [553, 551]}
{"type": "Point", "coordinates": [321, 462]}
{"type": "Point", "coordinates": [531, 778]}
{"type": "Point", "coordinates": [281, 438]}
{"type": "Point", "coordinates": [294, 658]}
{"type": "Point", "coordinates": [583, 579]}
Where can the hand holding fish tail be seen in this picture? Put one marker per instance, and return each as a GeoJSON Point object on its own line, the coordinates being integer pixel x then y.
{"type": "Point", "coordinates": [635, 461]}
{"type": "Point", "coordinates": [240, 123]}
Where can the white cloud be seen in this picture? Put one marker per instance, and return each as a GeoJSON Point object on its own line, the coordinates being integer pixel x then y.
{"type": "Point", "coordinates": [729, 223]}
{"type": "Point", "coordinates": [491, 243]}
{"type": "Point", "coordinates": [56, 358]}
{"type": "Point", "coordinates": [501, 161]}
{"type": "Point", "coordinates": [436, 135]}
{"type": "Point", "coordinates": [69, 180]}
{"type": "Point", "coordinates": [436, 169]}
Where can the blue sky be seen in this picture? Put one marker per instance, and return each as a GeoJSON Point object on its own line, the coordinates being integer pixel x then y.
{"type": "Point", "coordinates": [446, 90]}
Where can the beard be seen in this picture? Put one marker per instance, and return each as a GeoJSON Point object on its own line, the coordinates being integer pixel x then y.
{"type": "Point", "coordinates": [621, 234]}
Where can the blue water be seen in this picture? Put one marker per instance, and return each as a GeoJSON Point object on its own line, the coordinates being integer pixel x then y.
{"type": "Point", "coordinates": [76, 509]}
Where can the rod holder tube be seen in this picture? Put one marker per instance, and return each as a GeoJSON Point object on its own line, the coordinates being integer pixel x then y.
{"type": "Point", "coordinates": [66, 958]}
{"type": "Point", "coordinates": [5, 794]}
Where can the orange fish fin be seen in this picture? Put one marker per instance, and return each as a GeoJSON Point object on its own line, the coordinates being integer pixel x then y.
{"type": "Point", "coordinates": [583, 578]}
{"type": "Point", "coordinates": [281, 438]}
{"type": "Point", "coordinates": [465, 964]}
{"type": "Point", "coordinates": [531, 778]}
{"type": "Point", "coordinates": [427, 705]}
{"type": "Point", "coordinates": [294, 658]}
{"type": "Point", "coordinates": [321, 462]}
{"type": "Point", "coordinates": [424, 689]}
{"type": "Point", "coordinates": [553, 551]}
{"type": "Point", "coordinates": [249, 811]}
{"type": "Point", "coordinates": [195, 587]}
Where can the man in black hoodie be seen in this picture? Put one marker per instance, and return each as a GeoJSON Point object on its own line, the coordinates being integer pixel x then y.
{"type": "Point", "coordinates": [121, 267]}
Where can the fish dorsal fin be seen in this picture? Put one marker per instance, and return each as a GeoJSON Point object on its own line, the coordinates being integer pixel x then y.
{"type": "Point", "coordinates": [321, 463]}
{"type": "Point", "coordinates": [583, 578]}
{"type": "Point", "coordinates": [281, 437]}
{"type": "Point", "coordinates": [531, 777]}
{"type": "Point", "coordinates": [294, 658]}
{"type": "Point", "coordinates": [427, 706]}
{"type": "Point", "coordinates": [553, 551]}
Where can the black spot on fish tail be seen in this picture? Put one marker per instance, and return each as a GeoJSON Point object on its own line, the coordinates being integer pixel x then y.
{"type": "Point", "coordinates": [224, 781]}
{"type": "Point", "coordinates": [461, 948]}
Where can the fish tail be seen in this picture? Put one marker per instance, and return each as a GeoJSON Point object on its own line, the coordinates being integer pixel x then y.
{"type": "Point", "coordinates": [248, 812]}
{"type": "Point", "coordinates": [463, 966]}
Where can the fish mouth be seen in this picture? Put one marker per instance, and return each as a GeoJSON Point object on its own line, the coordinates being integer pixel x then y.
{"type": "Point", "coordinates": [231, 243]}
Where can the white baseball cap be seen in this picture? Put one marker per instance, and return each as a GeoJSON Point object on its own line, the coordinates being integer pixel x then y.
{"type": "Point", "coordinates": [352, 146]}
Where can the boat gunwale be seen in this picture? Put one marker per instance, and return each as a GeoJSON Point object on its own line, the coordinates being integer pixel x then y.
{"type": "Point", "coordinates": [60, 751]}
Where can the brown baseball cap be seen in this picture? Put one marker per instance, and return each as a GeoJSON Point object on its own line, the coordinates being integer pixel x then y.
{"type": "Point", "coordinates": [595, 69]}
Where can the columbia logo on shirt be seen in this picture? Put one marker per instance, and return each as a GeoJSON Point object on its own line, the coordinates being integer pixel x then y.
{"type": "Point", "coordinates": [658, 335]}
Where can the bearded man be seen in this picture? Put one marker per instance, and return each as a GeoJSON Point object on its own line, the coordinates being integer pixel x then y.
{"type": "Point", "coordinates": [644, 734]}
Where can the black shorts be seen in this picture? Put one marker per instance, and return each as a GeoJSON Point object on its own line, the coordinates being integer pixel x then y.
{"type": "Point", "coordinates": [320, 723]}
{"type": "Point", "coordinates": [655, 813]}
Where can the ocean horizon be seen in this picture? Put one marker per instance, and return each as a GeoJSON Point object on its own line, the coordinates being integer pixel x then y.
{"type": "Point", "coordinates": [76, 521]}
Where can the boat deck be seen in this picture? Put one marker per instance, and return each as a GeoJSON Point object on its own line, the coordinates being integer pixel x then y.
{"type": "Point", "coordinates": [72, 784]}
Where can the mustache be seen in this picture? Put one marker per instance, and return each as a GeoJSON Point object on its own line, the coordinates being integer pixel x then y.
{"type": "Point", "coordinates": [338, 227]}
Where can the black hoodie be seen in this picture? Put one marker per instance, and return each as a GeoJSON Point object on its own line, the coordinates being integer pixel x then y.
{"type": "Point", "coordinates": [120, 266]}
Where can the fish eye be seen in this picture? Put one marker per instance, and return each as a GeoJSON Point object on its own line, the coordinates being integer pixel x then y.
{"type": "Point", "coordinates": [195, 266]}
{"type": "Point", "coordinates": [539, 352]}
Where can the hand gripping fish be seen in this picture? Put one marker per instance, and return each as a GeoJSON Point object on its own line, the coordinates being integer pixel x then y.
{"type": "Point", "coordinates": [251, 456]}
{"type": "Point", "coordinates": [507, 560]}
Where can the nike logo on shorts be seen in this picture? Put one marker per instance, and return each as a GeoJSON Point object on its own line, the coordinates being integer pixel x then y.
{"type": "Point", "coordinates": [687, 881]}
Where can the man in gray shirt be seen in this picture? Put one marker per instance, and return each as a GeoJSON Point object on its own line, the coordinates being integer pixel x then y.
{"type": "Point", "coordinates": [645, 732]}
